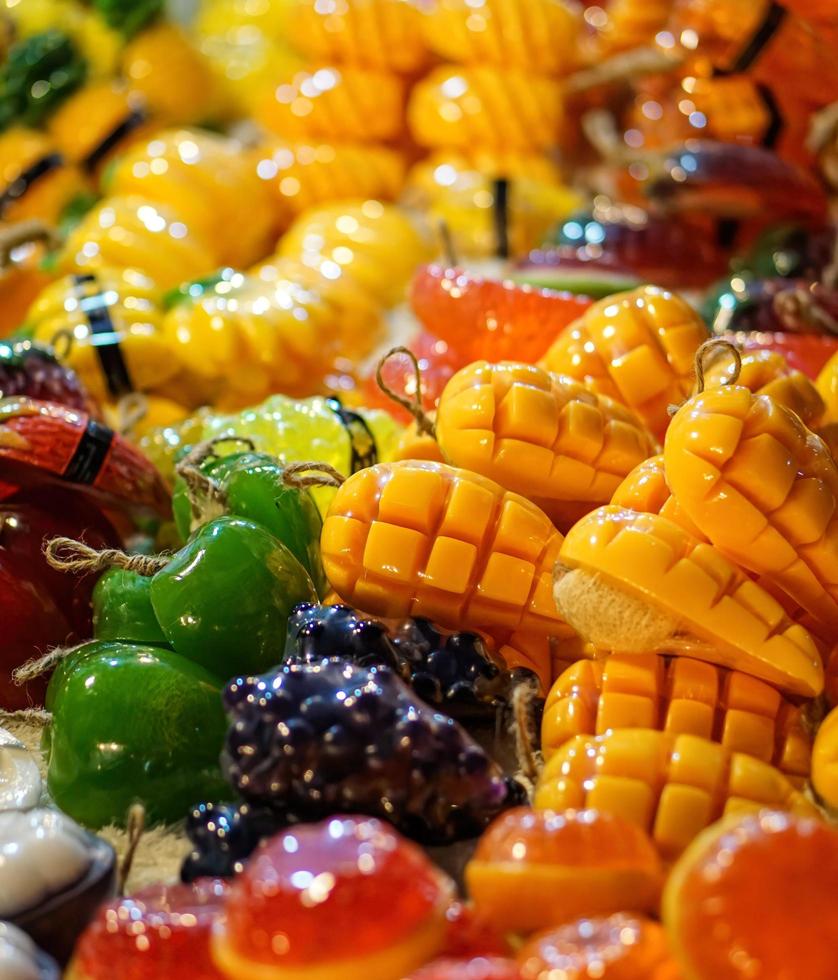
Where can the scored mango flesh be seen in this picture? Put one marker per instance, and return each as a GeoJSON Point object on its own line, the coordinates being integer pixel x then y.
{"type": "Point", "coordinates": [645, 490]}
{"type": "Point", "coordinates": [418, 538]}
{"type": "Point", "coordinates": [767, 372]}
{"type": "Point", "coordinates": [722, 616]}
{"type": "Point", "coordinates": [673, 786]}
{"type": "Point", "coordinates": [635, 347]}
{"type": "Point", "coordinates": [540, 435]}
{"type": "Point", "coordinates": [680, 696]}
{"type": "Point", "coordinates": [763, 489]}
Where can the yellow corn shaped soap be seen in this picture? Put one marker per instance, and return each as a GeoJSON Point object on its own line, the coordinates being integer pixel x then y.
{"type": "Point", "coordinates": [210, 182]}
{"type": "Point", "coordinates": [331, 103]}
{"type": "Point", "coordinates": [107, 328]}
{"type": "Point", "coordinates": [767, 372]}
{"type": "Point", "coordinates": [137, 233]}
{"type": "Point", "coordinates": [302, 175]}
{"type": "Point", "coordinates": [354, 314]}
{"type": "Point", "coordinates": [540, 435]}
{"type": "Point", "coordinates": [479, 106]}
{"type": "Point", "coordinates": [673, 786]}
{"type": "Point", "coordinates": [763, 489]}
{"type": "Point", "coordinates": [640, 583]}
{"type": "Point", "coordinates": [375, 33]}
{"type": "Point", "coordinates": [418, 538]}
{"type": "Point", "coordinates": [535, 35]}
{"type": "Point", "coordinates": [636, 347]}
{"type": "Point", "coordinates": [374, 243]}
{"type": "Point", "coordinates": [253, 339]}
{"type": "Point", "coordinates": [681, 696]}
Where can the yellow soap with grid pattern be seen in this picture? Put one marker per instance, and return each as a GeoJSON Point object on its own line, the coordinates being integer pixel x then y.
{"type": "Point", "coordinates": [636, 347]}
{"type": "Point", "coordinates": [334, 103]}
{"type": "Point", "coordinates": [301, 175]}
{"type": "Point", "coordinates": [375, 33]}
{"type": "Point", "coordinates": [535, 35]}
{"type": "Point", "coordinates": [764, 489]}
{"type": "Point", "coordinates": [827, 385]}
{"type": "Point", "coordinates": [673, 786]}
{"type": "Point", "coordinates": [540, 435]}
{"type": "Point", "coordinates": [459, 107]}
{"type": "Point", "coordinates": [767, 372]}
{"type": "Point", "coordinates": [682, 696]}
{"type": "Point", "coordinates": [137, 233]}
{"type": "Point", "coordinates": [825, 760]}
{"type": "Point", "coordinates": [419, 538]}
{"type": "Point", "coordinates": [640, 583]}
{"type": "Point", "coordinates": [645, 490]}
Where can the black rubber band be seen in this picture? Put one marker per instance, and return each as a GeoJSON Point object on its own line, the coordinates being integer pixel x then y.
{"type": "Point", "coordinates": [776, 121]}
{"type": "Point", "coordinates": [362, 444]}
{"type": "Point", "coordinates": [21, 184]}
{"type": "Point", "coordinates": [105, 339]}
{"type": "Point", "coordinates": [500, 215]}
{"type": "Point", "coordinates": [90, 454]}
{"type": "Point", "coordinates": [774, 17]}
{"type": "Point", "coordinates": [132, 121]}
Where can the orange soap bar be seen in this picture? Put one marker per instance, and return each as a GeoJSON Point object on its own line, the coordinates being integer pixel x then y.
{"type": "Point", "coordinates": [419, 538]}
{"type": "Point", "coordinates": [694, 600]}
{"type": "Point", "coordinates": [541, 435]}
{"type": "Point", "coordinates": [681, 696]}
{"type": "Point", "coordinates": [636, 347]}
{"type": "Point", "coordinates": [673, 786]}
{"type": "Point", "coordinates": [754, 896]}
{"type": "Point", "coordinates": [767, 372]}
{"type": "Point", "coordinates": [825, 760]}
{"type": "Point", "coordinates": [534, 869]}
{"type": "Point", "coordinates": [763, 489]}
{"type": "Point", "coordinates": [645, 489]}
{"type": "Point", "coordinates": [619, 947]}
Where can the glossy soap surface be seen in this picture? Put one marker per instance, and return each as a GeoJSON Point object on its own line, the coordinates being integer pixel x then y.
{"type": "Point", "coordinates": [308, 741]}
{"type": "Point", "coordinates": [159, 933]}
{"type": "Point", "coordinates": [762, 886]}
{"type": "Point", "coordinates": [313, 886]}
{"type": "Point", "coordinates": [133, 722]}
{"type": "Point", "coordinates": [207, 614]}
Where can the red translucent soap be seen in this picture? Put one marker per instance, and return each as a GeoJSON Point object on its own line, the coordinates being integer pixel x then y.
{"type": "Point", "coordinates": [438, 362]}
{"type": "Point", "coordinates": [620, 947]}
{"type": "Point", "coordinates": [159, 933]}
{"type": "Point", "coordinates": [346, 889]}
{"type": "Point", "coordinates": [477, 968]}
{"type": "Point", "coordinates": [491, 319]}
{"type": "Point", "coordinates": [471, 934]}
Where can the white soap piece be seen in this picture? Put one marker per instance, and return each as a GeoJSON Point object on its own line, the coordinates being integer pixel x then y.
{"type": "Point", "coordinates": [42, 852]}
{"type": "Point", "coordinates": [20, 781]}
{"type": "Point", "coordinates": [18, 954]}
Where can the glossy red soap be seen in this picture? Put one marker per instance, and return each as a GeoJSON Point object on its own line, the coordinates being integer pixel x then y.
{"type": "Point", "coordinates": [153, 934]}
{"type": "Point", "coordinates": [347, 887]}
